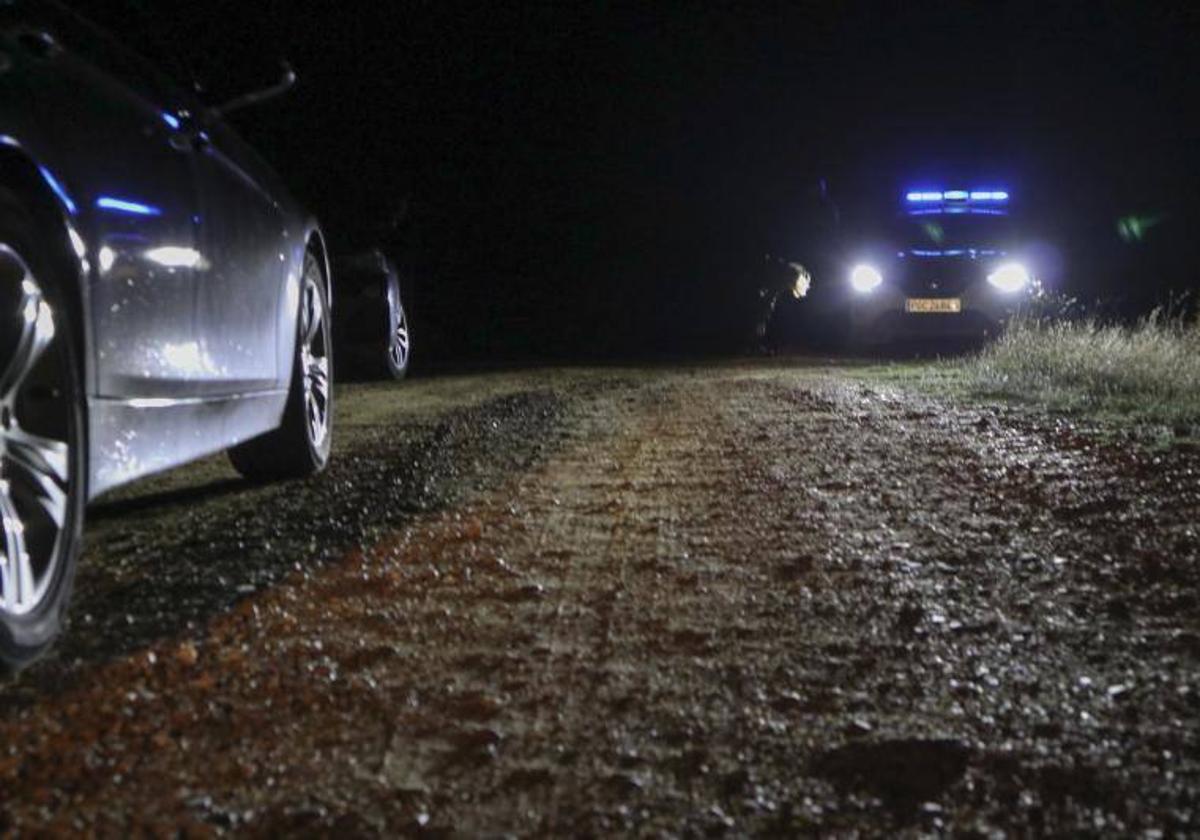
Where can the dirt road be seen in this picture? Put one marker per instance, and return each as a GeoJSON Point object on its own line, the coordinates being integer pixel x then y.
{"type": "Point", "coordinates": [735, 599]}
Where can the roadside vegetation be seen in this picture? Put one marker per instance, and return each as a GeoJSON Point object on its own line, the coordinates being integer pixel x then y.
{"type": "Point", "coordinates": [1149, 371]}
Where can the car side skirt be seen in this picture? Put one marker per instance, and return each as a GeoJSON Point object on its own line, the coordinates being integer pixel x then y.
{"type": "Point", "coordinates": [133, 438]}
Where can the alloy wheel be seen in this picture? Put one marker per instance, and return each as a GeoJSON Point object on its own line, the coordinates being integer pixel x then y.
{"type": "Point", "coordinates": [34, 439]}
{"type": "Point", "coordinates": [314, 360]}
{"type": "Point", "coordinates": [398, 347]}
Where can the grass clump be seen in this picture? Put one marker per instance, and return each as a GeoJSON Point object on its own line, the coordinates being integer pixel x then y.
{"type": "Point", "coordinates": [1148, 371]}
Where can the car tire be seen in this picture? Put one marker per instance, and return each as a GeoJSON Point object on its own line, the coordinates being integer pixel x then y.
{"type": "Point", "coordinates": [43, 443]}
{"type": "Point", "coordinates": [300, 446]}
{"type": "Point", "coordinates": [399, 342]}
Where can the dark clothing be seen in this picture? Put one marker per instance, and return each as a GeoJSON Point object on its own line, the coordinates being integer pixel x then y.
{"type": "Point", "coordinates": [776, 277]}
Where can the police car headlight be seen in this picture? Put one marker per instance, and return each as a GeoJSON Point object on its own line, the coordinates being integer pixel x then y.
{"type": "Point", "coordinates": [1010, 277]}
{"type": "Point", "coordinates": [865, 278]}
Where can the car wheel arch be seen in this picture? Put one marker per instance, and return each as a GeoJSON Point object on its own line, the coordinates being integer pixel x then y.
{"type": "Point", "coordinates": [316, 247]}
{"type": "Point", "coordinates": [20, 176]}
{"type": "Point", "coordinates": [21, 179]}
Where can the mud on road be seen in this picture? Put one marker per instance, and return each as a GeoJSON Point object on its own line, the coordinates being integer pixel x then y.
{"type": "Point", "coordinates": [743, 599]}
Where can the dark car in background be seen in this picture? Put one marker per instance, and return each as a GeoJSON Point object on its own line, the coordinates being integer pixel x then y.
{"type": "Point", "coordinates": [370, 325]}
{"type": "Point", "coordinates": [949, 263]}
{"type": "Point", "coordinates": [162, 297]}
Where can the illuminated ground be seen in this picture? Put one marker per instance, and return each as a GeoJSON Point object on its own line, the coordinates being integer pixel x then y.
{"type": "Point", "coordinates": [742, 598]}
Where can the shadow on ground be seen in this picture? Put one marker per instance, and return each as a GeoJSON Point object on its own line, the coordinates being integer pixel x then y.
{"type": "Point", "coordinates": [188, 554]}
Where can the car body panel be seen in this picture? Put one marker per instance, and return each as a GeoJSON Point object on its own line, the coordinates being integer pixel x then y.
{"type": "Point", "coordinates": [137, 437]}
{"type": "Point", "coordinates": [190, 250]}
{"type": "Point", "coordinates": [137, 196]}
{"type": "Point", "coordinates": [364, 295]}
{"type": "Point", "coordinates": [368, 290]}
{"type": "Point", "coordinates": [239, 296]}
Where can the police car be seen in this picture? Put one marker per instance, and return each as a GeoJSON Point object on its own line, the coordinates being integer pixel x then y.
{"type": "Point", "coordinates": [950, 264]}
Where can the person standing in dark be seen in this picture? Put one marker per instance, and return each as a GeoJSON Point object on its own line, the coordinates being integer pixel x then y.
{"type": "Point", "coordinates": [777, 277]}
{"type": "Point", "coordinates": [815, 244]}
{"type": "Point", "coordinates": [804, 231]}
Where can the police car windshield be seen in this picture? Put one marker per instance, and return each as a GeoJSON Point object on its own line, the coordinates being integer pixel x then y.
{"type": "Point", "coordinates": [954, 231]}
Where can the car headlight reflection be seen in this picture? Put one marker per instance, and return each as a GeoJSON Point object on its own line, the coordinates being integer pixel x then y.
{"type": "Point", "coordinates": [1010, 277]}
{"type": "Point", "coordinates": [865, 278]}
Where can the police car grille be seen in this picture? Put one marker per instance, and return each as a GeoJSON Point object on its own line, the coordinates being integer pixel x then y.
{"type": "Point", "coordinates": [939, 278]}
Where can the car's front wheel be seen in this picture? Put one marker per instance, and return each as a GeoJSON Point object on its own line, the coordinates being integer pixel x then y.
{"type": "Point", "coordinates": [300, 446]}
{"type": "Point", "coordinates": [42, 446]}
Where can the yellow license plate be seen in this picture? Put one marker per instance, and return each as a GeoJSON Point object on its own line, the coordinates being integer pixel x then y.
{"type": "Point", "coordinates": [933, 305]}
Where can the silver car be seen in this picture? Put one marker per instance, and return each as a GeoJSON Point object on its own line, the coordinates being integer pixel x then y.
{"type": "Point", "coordinates": [162, 297]}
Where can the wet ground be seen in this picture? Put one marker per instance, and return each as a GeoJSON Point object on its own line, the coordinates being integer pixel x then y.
{"type": "Point", "coordinates": [741, 599]}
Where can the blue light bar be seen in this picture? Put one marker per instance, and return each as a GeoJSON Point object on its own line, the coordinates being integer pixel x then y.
{"type": "Point", "coordinates": [59, 190]}
{"type": "Point", "coordinates": [120, 205]}
{"type": "Point", "coordinates": [973, 253]}
{"type": "Point", "coordinates": [171, 120]}
{"type": "Point", "coordinates": [928, 196]}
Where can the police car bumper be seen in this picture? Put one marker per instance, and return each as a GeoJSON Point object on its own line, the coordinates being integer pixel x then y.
{"type": "Point", "coordinates": [889, 314]}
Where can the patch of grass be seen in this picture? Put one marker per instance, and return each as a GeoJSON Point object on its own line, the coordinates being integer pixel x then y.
{"type": "Point", "coordinates": [1147, 372]}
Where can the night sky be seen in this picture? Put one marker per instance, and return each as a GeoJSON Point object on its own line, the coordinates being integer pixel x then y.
{"type": "Point", "coordinates": [587, 178]}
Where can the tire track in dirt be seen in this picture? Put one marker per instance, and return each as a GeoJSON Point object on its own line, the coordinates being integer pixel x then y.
{"type": "Point", "coordinates": [725, 601]}
{"type": "Point", "coordinates": [667, 494]}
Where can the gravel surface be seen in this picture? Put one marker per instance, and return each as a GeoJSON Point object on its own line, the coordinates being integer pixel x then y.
{"type": "Point", "coordinates": [740, 599]}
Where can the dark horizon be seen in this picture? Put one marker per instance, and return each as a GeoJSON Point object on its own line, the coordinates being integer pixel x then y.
{"type": "Point", "coordinates": [567, 170]}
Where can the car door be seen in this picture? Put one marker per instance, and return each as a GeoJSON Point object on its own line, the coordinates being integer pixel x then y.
{"type": "Point", "coordinates": [245, 240]}
{"type": "Point", "coordinates": [116, 129]}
